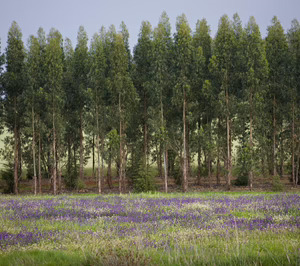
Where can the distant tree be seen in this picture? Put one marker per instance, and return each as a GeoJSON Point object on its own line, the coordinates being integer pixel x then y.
{"type": "Point", "coordinates": [294, 95]}
{"type": "Point", "coordinates": [163, 43]}
{"type": "Point", "coordinates": [184, 50]}
{"type": "Point", "coordinates": [123, 94]}
{"type": "Point", "coordinates": [33, 68]}
{"type": "Point", "coordinates": [255, 75]}
{"type": "Point", "coordinates": [98, 83]}
{"type": "Point", "coordinates": [222, 68]}
{"type": "Point", "coordinates": [14, 87]}
{"type": "Point", "coordinates": [81, 69]}
{"type": "Point", "coordinates": [277, 54]}
{"type": "Point", "coordinates": [143, 82]}
{"type": "Point", "coordinates": [54, 70]}
{"type": "Point", "coordinates": [203, 92]}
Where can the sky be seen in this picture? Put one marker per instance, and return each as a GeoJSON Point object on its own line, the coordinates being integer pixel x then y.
{"type": "Point", "coordinates": [68, 15]}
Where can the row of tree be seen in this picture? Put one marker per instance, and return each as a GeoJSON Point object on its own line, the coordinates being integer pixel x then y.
{"type": "Point", "coordinates": [231, 100]}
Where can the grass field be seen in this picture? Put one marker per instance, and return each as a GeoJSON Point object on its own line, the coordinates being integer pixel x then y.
{"type": "Point", "coordinates": [151, 229]}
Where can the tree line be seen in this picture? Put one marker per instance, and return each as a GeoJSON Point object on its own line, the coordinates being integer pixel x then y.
{"type": "Point", "coordinates": [228, 105]}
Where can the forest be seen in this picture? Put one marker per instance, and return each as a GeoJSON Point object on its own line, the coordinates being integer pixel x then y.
{"type": "Point", "coordinates": [185, 104]}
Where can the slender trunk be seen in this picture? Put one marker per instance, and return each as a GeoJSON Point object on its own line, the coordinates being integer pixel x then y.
{"type": "Point", "coordinates": [33, 152]}
{"type": "Point", "coordinates": [199, 154]}
{"type": "Point", "coordinates": [166, 169]}
{"type": "Point", "coordinates": [188, 157]}
{"type": "Point", "coordinates": [39, 162]}
{"type": "Point", "coordinates": [281, 157]}
{"type": "Point", "coordinates": [164, 144]}
{"type": "Point", "coordinates": [274, 137]}
{"type": "Point", "coordinates": [99, 177]}
{"type": "Point", "coordinates": [251, 141]}
{"type": "Point", "coordinates": [81, 148]}
{"type": "Point", "coordinates": [159, 159]}
{"type": "Point", "coordinates": [93, 155]}
{"type": "Point", "coordinates": [75, 176]}
{"type": "Point", "coordinates": [293, 144]}
{"type": "Point", "coordinates": [229, 168]}
{"type": "Point", "coordinates": [121, 149]}
{"type": "Point", "coordinates": [16, 150]}
{"type": "Point", "coordinates": [59, 174]}
{"type": "Point", "coordinates": [218, 155]}
{"type": "Point", "coordinates": [109, 180]}
{"type": "Point", "coordinates": [185, 184]}
{"type": "Point", "coordinates": [69, 157]}
{"type": "Point", "coordinates": [209, 153]}
{"type": "Point", "coordinates": [145, 132]}
{"type": "Point", "coordinates": [54, 153]}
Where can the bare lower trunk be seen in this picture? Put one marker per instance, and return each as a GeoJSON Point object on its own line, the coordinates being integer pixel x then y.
{"type": "Point", "coordinates": [16, 151]}
{"type": "Point", "coordinates": [98, 154]}
{"type": "Point", "coordinates": [293, 144]}
{"type": "Point", "coordinates": [39, 162]}
{"type": "Point", "coordinates": [98, 165]}
{"type": "Point", "coordinates": [121, 149]}
{"type": "Point", "coordinates": [185, 184]}
{"type": "Point", "coordinates": [274, 137]}
{"type": "Point", "coordinates": [229, 167]}
{"type": "Point", "coordinates": [59, 176]}
{"type": "Point", "coordinates": [199, 156]}
{"type": "Point", "coordinates": [109, 179]}
{"type": "Point", "coordinates": [145, 132]}
{"type": "Point", "coordinates": [251, 142]}
{"type": "Point", "coordinates": [33, 153]}
{"type": "Point", "coordinates": [93, 155]}
{"type": "Point", "coordinates": [81, 148]}
{"type": "Point", "coordinates": [54, 157]}
{"type": "Point", "coordinates": [166, 169]}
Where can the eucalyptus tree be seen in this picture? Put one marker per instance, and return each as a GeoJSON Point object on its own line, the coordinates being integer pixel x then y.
{"type": "Point", "coordinates": [33, 67]}
{"type": "Point", "coordinates": [81, 81]}
{"type": "Point", "coordinates": [294, 50]}
{"type": "Point", "coordinates": [71, 118]}
{"type": "Point", "coordinates": [255, 76]}
{"type": "Point", "coordinates": [184, 53]}
{"type": "Point", "coordinates": [54, 70]}
{"type": "Point", "coordinates": [123, 94]}
{"type": "Point", "coordinates": [163, 43]}
{"type": "Point", "coordinates": [277, 54]}
{"type": "Point", "coordinates": [143, 81]}
{"type": "Point", "coordinates": [222, 67]}
{"type": "Point", "coordinates": [202, 89]}
{"type": "Point", "coordinates": [98, 83]}
{"type": "Point", "coordinates": [14, 87]}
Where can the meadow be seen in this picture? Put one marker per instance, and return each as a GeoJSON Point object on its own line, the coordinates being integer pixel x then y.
{"type": "Point", "coordinates": [151, 229]}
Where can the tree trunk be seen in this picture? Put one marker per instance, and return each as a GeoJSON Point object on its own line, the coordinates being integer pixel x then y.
{"type": "Point", "coordinates": [81, 148]}
{"type": "Point", "coordinates": [251, 141]}
{"type": "Point", "coordinates": [274, 137]}
{"type": "Point", "coordinates": [121, 149]}
{"type": "Point", "coordinates": [166, 169]}
{"type": "Point", "coordinates": [293, 144]}
{"type": "Point", "coordinates": [185, 181]}
{"type": "Point", "coordinates": [199, 155]}
{"type": "Point", "coordinates": [99, 177]}
{"type": "Point", "coordinates": [59, 175]}
{"type": "Point", "coordinates": [54, 154]}
{"type": "Point", "coordinates": [145, 132]}
{"type": "Point", "coordinates": [39, 162]}
{"type": "Point", "coordinates": [229, 167]}
{"type": "Point", "coordinates": [93, 155]}
{"type": "Point", "coordinates": [109, 179]}
{"type": "Point", "coordinates": [33, 153]}
{"type": "Point", "coordinates": [16, 150]}
{"type": "Point", "coordinates": [98, 154]}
